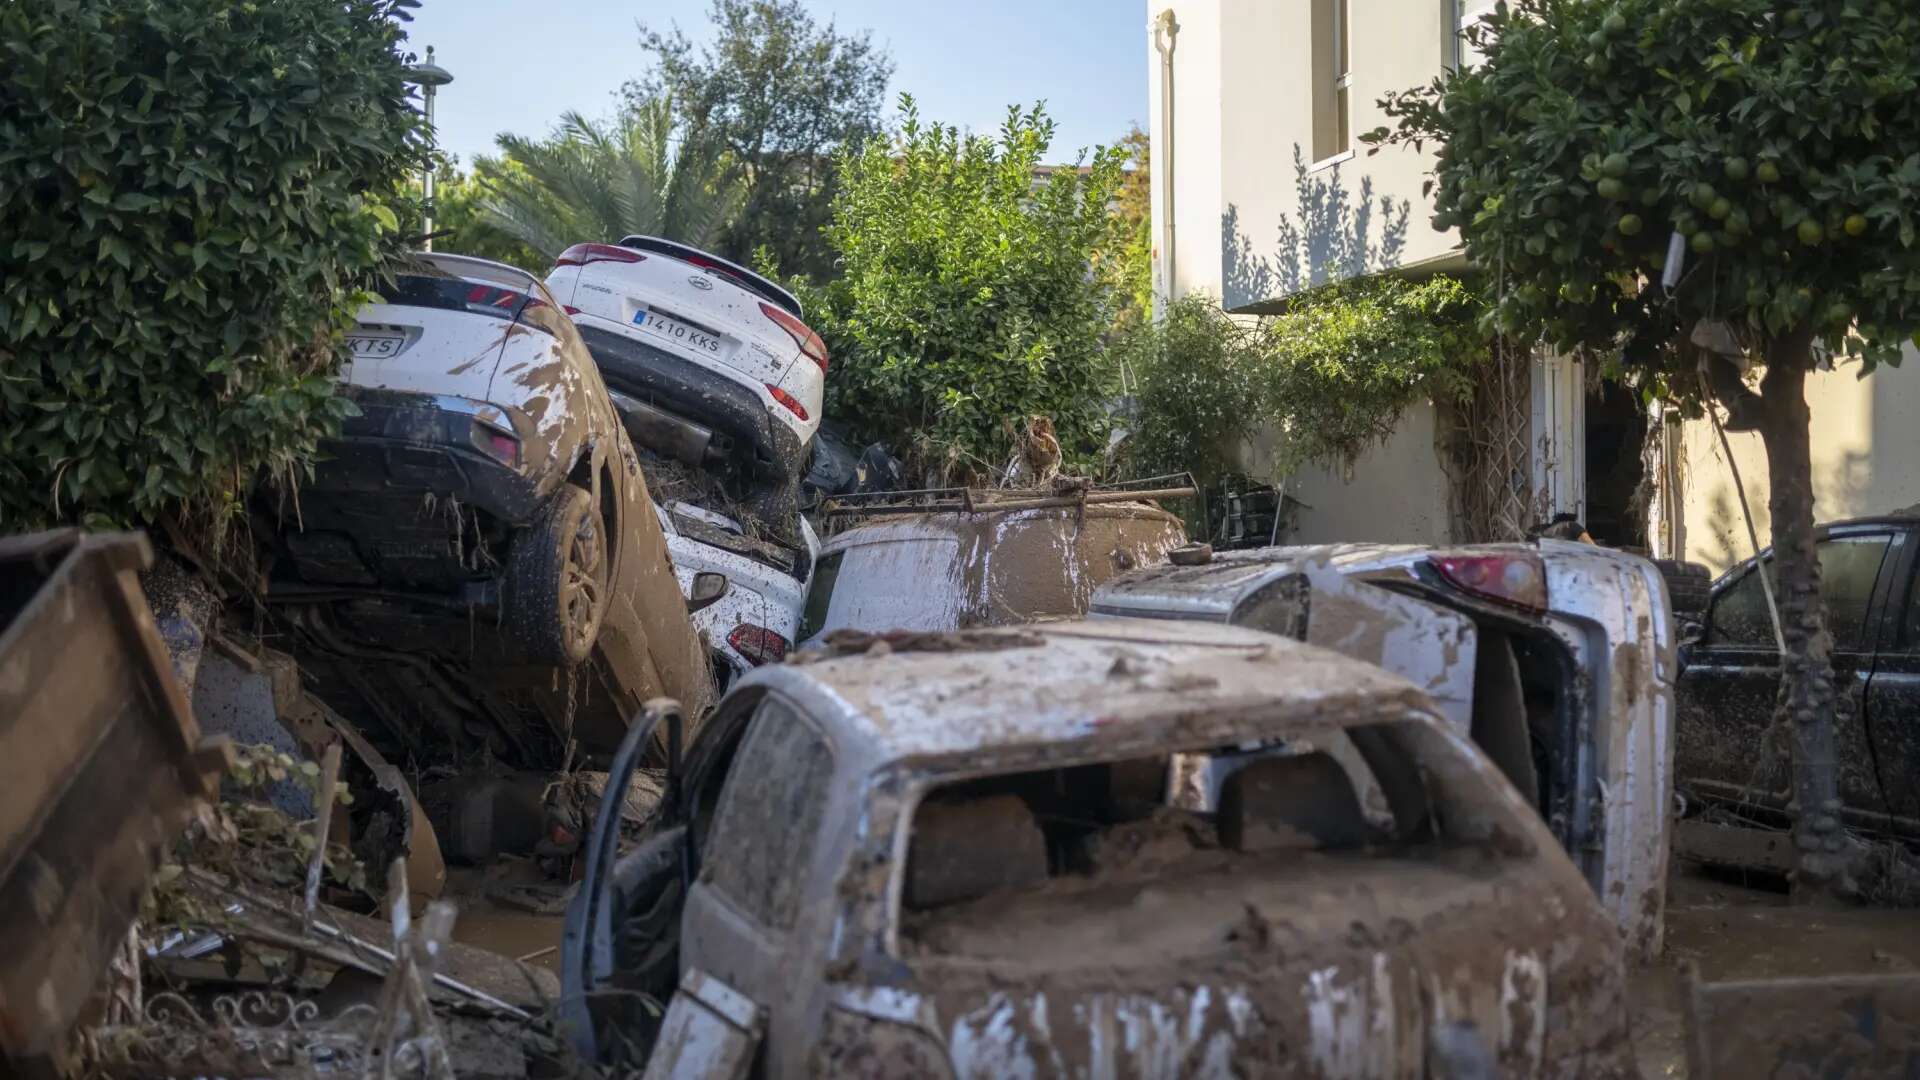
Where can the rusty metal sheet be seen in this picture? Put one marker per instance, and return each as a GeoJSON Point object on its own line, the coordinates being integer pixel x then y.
{"type": "Point", "coordinates": [101, 763]}
{"type": "Point", "coordinates": [1836, 1027]}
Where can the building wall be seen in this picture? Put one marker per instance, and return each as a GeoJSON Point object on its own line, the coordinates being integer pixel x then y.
{"type": "Point", "coordinates": [1395, 493]}
{"type": "Point", "coordinates": [1256, 218]}
{"type": "Point", "coordinates": [1866, 460]}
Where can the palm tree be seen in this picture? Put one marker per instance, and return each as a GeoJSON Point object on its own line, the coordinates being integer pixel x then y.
{"type": "Point", "coordinates": [599, 182]}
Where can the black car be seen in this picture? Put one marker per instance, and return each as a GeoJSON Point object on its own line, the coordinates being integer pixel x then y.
{"type": "Point", "coordinates": [1728, 760]}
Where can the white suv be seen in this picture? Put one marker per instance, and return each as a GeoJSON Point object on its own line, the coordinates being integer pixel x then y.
{"type": "Point", "coordinates": [691, 334]}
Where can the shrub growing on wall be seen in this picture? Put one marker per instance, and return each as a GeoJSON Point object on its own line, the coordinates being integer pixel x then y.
{"type": "Point", "coordinates": [1350, 358]}
{"type": "Point", "coordinates": [1330, 377]}
{"type": "Point", "coordinates": [188, 190]}
{"type": "Point", "coordinates": [1199, 389]}
{"type": "Point", "coordinates": [966, 298]}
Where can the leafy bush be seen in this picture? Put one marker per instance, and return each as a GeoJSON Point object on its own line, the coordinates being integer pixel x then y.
{"type": "Point", "coordinates": [1332, 375]}
{"type": "Point", "coordinates": [966, 298]}
{"type": "Point", "coordinates": [1200, 379]}
{"type": "Point", "coordinates": [187, 189]}
{"type": "Point", "coordinates": [1350, 357]}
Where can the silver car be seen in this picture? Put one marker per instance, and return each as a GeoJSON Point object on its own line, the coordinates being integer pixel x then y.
{"type": "Point", "coordinates": [1557, 658]}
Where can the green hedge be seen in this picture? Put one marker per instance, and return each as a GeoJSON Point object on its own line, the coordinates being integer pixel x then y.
{"type": "Point", "coordinates": [193, 191]}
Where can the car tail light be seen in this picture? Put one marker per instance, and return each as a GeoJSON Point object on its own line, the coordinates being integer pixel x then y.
{"type": "Point", "coordinates": [582, 254]}
{"type": "Point", "coordinates": [758, 644]}
{"type": "Point", "coordinates": [801, 333]}
{"type": "Point", "coordinates": [792, 403]}
{"type": "Point", "coordinates": [490, 296]}
{"type": "Point", "coordinates": [1519, 580]}
{"type": "Point", "coordinates": [500, 445]}
{"type": "Point", "coordinates": [570, 309]}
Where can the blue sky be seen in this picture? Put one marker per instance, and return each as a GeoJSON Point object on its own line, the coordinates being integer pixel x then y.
{"type": "Point", "coordinates": [518, 64]}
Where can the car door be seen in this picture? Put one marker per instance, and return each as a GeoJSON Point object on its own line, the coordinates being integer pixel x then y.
{"type": "Point", "coordinates": [1724, 748]}
{"type": "Point", "coordinates": [1892, 715]}
{"type": "Point", "coordinates": [756, 864]}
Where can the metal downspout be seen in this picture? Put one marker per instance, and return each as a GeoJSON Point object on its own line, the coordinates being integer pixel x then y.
{"type": "Point", "coordinates": [1165, 30]}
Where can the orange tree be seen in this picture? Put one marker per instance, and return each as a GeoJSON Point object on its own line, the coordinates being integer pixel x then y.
{"type": "Point", "coordinates": [1780, 141]}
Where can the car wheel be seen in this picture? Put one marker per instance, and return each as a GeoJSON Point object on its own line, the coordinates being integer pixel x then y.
{"type": "Point", "coordinates": [557, 573]}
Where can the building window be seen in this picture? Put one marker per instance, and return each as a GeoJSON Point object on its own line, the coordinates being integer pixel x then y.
{"type": "Point", "coordinates": [1333, 79]}
{"type": "Point", "coordinates": [1456, 16]}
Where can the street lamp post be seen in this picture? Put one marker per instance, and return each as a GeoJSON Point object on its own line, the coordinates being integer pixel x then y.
{"type": "Point", "coordinates": [429, 77]}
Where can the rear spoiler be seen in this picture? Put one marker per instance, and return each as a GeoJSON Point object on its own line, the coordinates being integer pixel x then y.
{"type": "Point", "coordinates": [738, 274]}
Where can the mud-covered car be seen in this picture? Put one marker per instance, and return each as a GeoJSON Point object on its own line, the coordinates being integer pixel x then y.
{"type": "Point", "coordinates": [953, 570]}
{"type": "Point", "coordinates": [1731, 767]}
{"type": "Point", "coordinates": [480, 521]}
{"type": "Point", "coordinates": [1556, 658]}
{"type": "Point", "coordinates": [1114, 848]}
{"type": "Point", "coordinates": [753, 621]}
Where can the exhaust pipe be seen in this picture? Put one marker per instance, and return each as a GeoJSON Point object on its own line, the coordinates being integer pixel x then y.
{"type": "Point", "coordinates": [675, 436]}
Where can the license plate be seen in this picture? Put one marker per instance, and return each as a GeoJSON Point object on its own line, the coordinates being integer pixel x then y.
{"type": "Point", "coordinates": [677, 332]}
{"type": "Point", "coordinates": [376, 346]}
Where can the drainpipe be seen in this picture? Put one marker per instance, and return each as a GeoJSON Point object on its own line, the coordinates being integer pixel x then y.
{"type": "Point", "coordinates": [1165, 29]}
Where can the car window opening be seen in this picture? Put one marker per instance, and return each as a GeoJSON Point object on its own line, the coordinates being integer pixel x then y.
{"type": "Point", "coordinates": [993, 861]}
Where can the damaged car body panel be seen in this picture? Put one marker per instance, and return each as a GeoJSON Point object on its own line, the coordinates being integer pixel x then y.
{"type": "Point", "coordinates": [1570, 691]}
{"type": "Point", "coordinates": [972, 861]}
{"type": "Point", "coordinates": [954, 571]}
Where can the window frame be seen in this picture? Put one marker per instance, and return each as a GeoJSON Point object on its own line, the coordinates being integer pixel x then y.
{"type": "Point", "coordinates": [1455, 17]}
{"type": "Point", "coordinates": [1875, 633]}
{"type": "Point", "coordinates": [797, 858]}
{"type": "Point", "coordinates": [1332, 70]}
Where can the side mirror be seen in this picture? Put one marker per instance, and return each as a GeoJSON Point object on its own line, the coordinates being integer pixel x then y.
{"type": "Point", "coordinates": [709, 588]}
{"type": "Point", "coordinates": [1690, 630]}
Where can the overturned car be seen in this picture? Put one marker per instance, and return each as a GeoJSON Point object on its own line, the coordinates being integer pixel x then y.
{"type": "Point", "coordinates": [1557, 659]}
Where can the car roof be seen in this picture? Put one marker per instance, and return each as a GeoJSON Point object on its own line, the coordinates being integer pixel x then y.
{"type": "Point", "coordinates": [1120, 681]}
{"type": "Point", "coordinates": [946, 525]}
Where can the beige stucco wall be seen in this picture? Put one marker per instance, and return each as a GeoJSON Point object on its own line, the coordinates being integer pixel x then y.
{"type": "Point", "coordinates": [1255, 217]}
{"type": "Point", "coordinates": [1395, 492]}
{"type": "Point", "coordinates": [1242, 105]}
{"type": "Point", "coordinates": [1866, 460]}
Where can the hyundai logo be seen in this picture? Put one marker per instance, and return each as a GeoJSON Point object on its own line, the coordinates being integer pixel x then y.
{"type": "Point", "coordinates": [701, 282]}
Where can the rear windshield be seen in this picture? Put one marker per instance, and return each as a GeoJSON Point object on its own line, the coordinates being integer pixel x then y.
{"type": "Point", "coordinates": [733, 272]}
{"type": "Point", "coordinates": [998, 865]}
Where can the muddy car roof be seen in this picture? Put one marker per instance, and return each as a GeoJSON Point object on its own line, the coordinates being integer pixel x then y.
{"type": "Point", "coordinates": [986, 523]}
{"type": "Point", "coordinates": [1121, 681]}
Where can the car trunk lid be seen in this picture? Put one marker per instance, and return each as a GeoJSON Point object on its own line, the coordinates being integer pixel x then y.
{"type": "Point", "coordinates": [433, 334]}
{"type": "Point", "coordinates": [701, 312]}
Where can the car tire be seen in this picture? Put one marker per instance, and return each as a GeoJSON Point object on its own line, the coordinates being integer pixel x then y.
{"type": "Point", "coordinates": [1689, 585]}
{"type": "Point", "coordinates": [556, 588]}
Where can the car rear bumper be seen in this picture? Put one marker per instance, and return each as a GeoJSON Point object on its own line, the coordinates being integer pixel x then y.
{"type": "Point", "coordinates": [403, 445]}
{"type": "Point", "coordinates": [393, 499]}
{"type": "Point", "coordinates": [699, 393]}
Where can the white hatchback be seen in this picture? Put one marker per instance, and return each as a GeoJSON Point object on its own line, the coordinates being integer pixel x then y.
{"type": "Point", "coordinates": [701, 338]}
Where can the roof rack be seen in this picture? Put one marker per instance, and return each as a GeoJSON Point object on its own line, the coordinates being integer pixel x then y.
{"type": "Point", "coordinates": [1065, 491]}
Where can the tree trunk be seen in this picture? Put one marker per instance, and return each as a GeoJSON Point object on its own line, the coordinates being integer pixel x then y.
{"type": "Point", "coordinates": [1806, 706]}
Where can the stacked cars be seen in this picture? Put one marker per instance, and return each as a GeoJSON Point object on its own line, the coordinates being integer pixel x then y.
{"type": "Point", "coordinates": [713, 372]}
{"type": "Point", "coordinates": [480, 522]}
